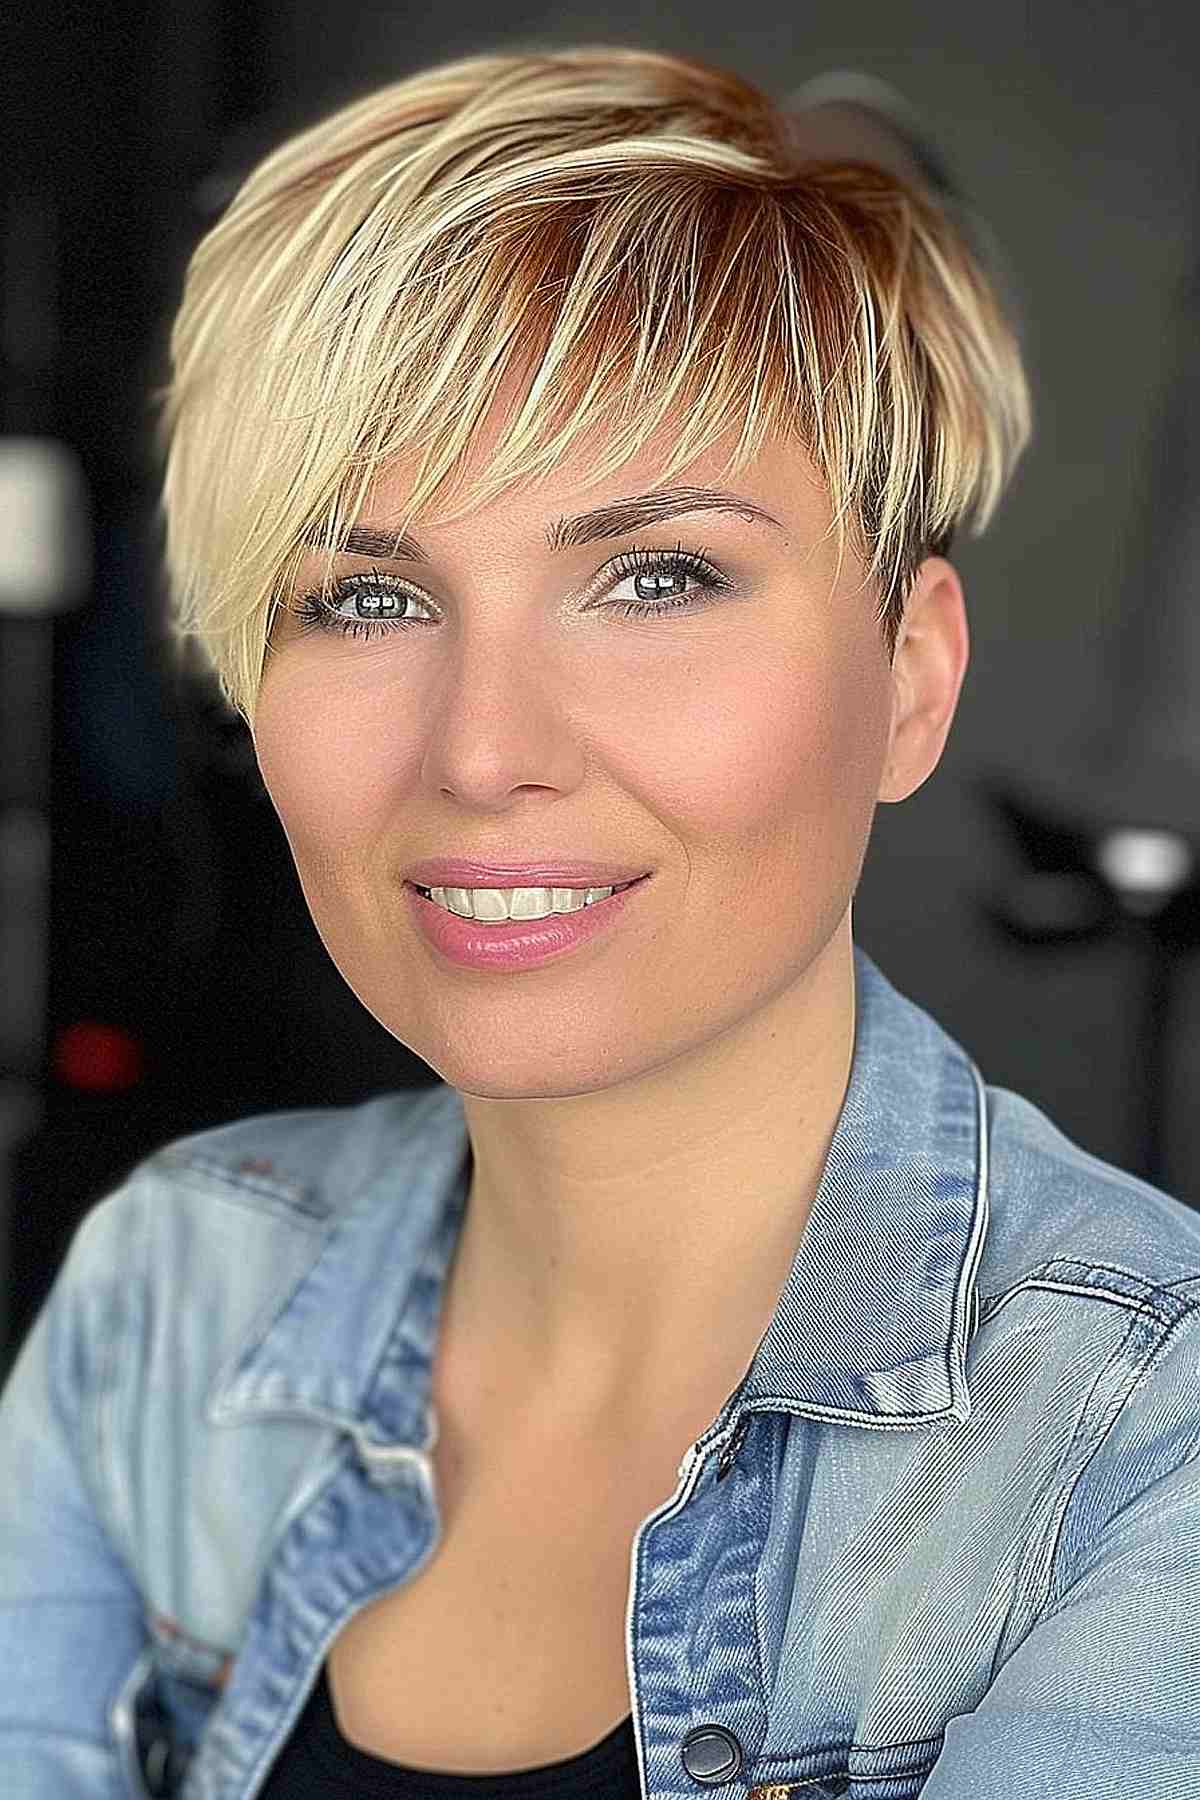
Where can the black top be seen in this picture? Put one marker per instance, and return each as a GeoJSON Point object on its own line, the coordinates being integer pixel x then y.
{"type": "Point", "coordinates": [318, 1761]}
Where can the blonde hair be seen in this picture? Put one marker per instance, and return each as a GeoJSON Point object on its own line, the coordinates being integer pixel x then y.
{"type": "Point", "coordinates": [640, 226]}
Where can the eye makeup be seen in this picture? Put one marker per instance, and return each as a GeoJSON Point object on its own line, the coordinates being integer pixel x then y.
{"type": "Point", "coordinates": [380, 597]}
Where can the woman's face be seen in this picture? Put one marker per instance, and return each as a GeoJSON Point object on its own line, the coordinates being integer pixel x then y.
{"type": "Point", "coordinates": [734, 747]}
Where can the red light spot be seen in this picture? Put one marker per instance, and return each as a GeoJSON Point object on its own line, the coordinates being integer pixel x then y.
{"type": "Point", "coordinates": [100, 1059]}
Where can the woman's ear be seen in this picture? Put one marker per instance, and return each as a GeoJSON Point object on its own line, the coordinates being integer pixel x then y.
{"type": "Point", "coordinates": [932, 650]}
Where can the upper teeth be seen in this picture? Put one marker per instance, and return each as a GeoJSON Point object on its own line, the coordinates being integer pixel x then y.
{"type": "Point", "coordinates": [516, 903]}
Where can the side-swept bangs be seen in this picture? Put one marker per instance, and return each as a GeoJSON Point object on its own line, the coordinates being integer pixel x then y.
{"type": "Point", "coordinates": [635, 231]}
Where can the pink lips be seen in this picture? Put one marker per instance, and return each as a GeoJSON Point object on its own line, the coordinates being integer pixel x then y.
{"type": "Point", "coordinates": [517, 943]}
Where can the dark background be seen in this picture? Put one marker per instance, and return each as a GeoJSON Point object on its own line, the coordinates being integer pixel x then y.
{"type": "Point", "coordinates": [176, 921]}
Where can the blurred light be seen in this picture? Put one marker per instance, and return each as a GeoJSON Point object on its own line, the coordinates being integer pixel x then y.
{"type": "Point", "coordinates": [1144, 864]}
{"type": "Point", "coordinates": [46, 545]}
{"type": "Point", "coordinates": [101, 1059]}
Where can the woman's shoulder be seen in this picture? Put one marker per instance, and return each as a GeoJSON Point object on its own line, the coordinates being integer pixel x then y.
{"type": "Point", "coordinates": [233, 1277]}
{"type": "Point", "coordinates": [1059, 1213]}
{"type": "Point", "coordinates": [213, 1230]}
{"type": "Point", "coordinates": [312, 1158]}
{"type": "Point", "coordinates": [303, 1166]}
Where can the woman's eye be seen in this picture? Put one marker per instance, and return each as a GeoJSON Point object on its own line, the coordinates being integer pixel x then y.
{"type": "Point", "coordinates": [661, 578]}
{"type": "Point", "coordinates": [379, 604]}
{"type": "Point", "coordinates": [662, 581]}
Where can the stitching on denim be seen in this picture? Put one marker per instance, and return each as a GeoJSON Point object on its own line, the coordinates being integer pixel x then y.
{"type": "Point", "coordinates": [236, 1179]}
{"type": "Point", "coordinates": [1037, 1281]}
{"type": "Point", "coordinates": [1133, 1381]}
{"type": "Point", "coordinates": [846, 1747]}
{"type": "Point", "coordinates": [1088, 1262]}
{"type": "Point", "coordinates": [101, 1466]}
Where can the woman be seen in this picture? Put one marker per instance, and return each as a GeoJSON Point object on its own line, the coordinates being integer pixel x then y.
{"type": "Point", "coordinates": [712, 1381]}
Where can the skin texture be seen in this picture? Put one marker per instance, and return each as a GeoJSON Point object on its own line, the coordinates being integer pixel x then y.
{"type": "Point", "coordinates": [650, 1116]}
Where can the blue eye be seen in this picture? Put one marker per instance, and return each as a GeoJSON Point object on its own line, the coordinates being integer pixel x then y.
{"type": "Point", "coordinates": [667, 565]}
{"type": "Point", "coordinates": [380, 600]}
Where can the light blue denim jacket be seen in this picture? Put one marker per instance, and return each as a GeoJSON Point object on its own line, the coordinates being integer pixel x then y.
{"type": "Point", "coordinates": [943, 1538]}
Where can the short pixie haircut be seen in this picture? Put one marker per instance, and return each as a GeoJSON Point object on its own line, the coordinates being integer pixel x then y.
{"type": "Point", "coordinates": [641, 228]}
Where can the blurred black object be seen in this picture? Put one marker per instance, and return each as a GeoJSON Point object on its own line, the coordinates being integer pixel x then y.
{"type": "Point", "coordinates": [1108, 843]}
{"type": "Point", "coordinates": [185, 983]}
{"type": "Point", "coordinates": [1094, 860]}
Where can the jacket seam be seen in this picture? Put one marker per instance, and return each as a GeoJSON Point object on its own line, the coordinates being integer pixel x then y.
{"type": "Point", "coordinates": [1139, 1306]}
{"type": "Point", "coordinates": [1128, 1274]}
{"type": "Point", "coordinates": [1152, 1358]}
{"type": "Point", "coordinates": [296, 1203]}
{"type": "Point", "coordinates": [108, 1491]}
{"type": "Point", "coordinates": [98, 1405]}
{"type": "Point", "coordinates": [843, 1747]}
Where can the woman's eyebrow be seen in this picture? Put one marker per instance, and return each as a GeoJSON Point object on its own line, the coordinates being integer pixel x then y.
{"type": "Point", "coordinates": [613, 520]}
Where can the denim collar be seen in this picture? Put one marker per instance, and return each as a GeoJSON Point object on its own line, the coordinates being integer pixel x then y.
{"type": "Point", "coordinates": [872, 1324]}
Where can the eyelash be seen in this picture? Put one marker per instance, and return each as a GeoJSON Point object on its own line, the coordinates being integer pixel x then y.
{"type": "Point", "coordinates": [315, 612]}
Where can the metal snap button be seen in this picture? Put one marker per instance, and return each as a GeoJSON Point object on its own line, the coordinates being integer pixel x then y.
{"type": "Point", "coordinates": [711, 1754]}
